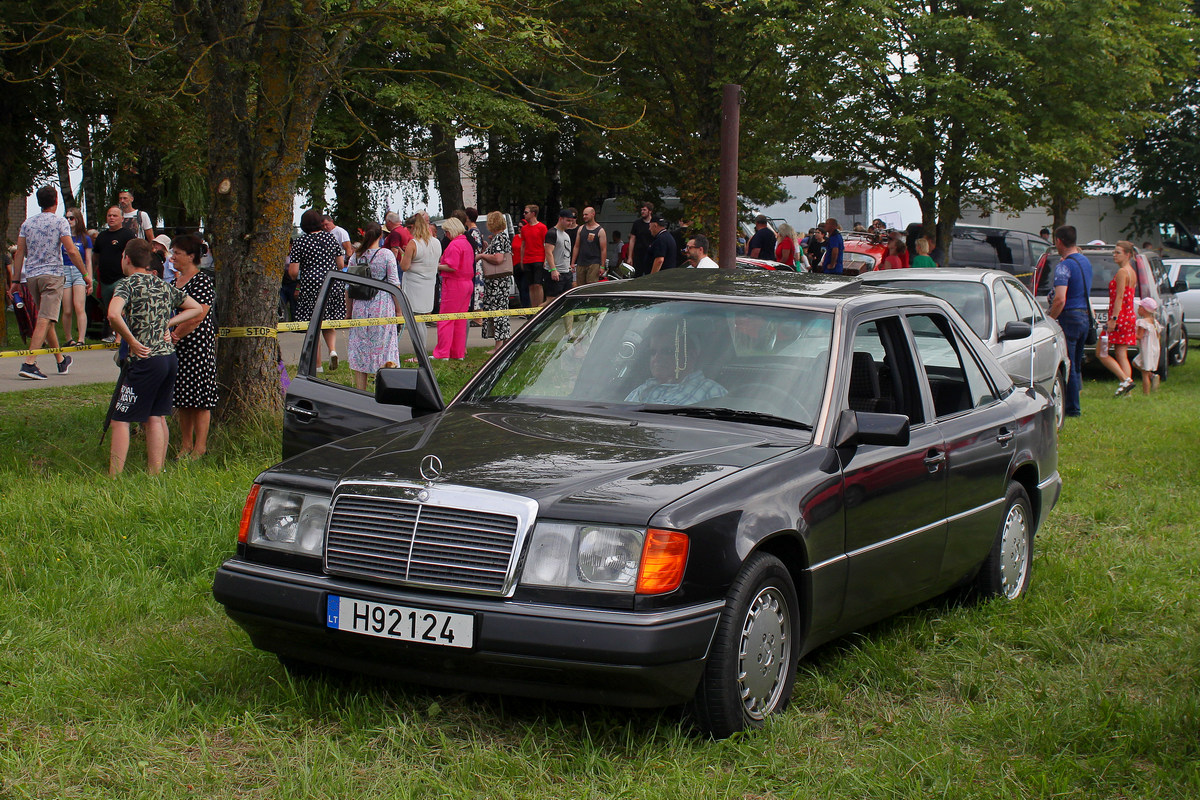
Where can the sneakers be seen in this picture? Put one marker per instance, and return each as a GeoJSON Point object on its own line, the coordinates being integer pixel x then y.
{"type": "Point", "coordinates": [1124, 388]}
{"type": "Point", "coordinates": [31, 372]}
{"type": "Point", "coordinates": [333, 361]}
{"type": "Point", "coordinates": [64, 366]}
{"type": "Point", "coordinates": [110, 339]}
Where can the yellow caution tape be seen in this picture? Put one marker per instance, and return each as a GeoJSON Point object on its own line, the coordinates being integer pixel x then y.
{"type": "Point", "coordinates": [47, 350]}
{"type": "Point", "coordinates": [250, 331]}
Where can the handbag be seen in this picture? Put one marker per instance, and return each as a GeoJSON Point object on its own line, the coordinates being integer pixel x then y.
{"type": "Point", "coordinates": [363, 270]}
{"type": "Point", "coordinates": [1093, 335]}
{"type": "Point", "coordinates": [501, 270]}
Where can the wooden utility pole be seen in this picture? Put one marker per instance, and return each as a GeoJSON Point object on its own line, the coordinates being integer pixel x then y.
{"type": "Point", "coordinates": [730, 130]}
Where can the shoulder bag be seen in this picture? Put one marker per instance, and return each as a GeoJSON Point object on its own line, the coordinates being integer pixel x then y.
{"type": "Point", "coordinates": [501, 270]}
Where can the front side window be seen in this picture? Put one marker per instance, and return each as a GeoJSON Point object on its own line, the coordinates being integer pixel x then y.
{"type": "Point", "coordinates": [1006, 310]}
{"type": "Point", "coordinates": [956, 381]}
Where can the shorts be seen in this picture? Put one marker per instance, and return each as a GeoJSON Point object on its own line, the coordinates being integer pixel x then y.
{"type": "Point", "coordinates": [73, 277]}
{"type": "Point", "coordinates": [535, 273]}
{"type": "Point", "coordinates": [47, 291]}
{"type": "Point", "coordinates": [588, 273]}
{"type": "Point", "coordinates": [556, 286]}
{"type": "Point", "coordinates": [147, 390]}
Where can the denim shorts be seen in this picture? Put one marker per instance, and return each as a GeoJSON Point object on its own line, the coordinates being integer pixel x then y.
{"type": "Point", "coordinates": [73, 277]}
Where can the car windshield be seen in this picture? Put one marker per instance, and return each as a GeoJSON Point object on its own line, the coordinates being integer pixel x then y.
{"type": "Point", "coordinates": [737, 361]}
{"type": "Point", "coordinates": [969, 299]}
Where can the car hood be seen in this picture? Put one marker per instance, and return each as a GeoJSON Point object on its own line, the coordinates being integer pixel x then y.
{"type": "Point", "coordinates": [576, 465]}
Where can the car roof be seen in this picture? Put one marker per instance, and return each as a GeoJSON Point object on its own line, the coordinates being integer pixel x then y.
{"type": "Point", "coordinates": [970, 226]}
{"type": "Point", "coordinates": [941, 274]}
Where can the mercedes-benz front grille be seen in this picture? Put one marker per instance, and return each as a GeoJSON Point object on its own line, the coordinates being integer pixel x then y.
{"type": "Point", "coordinates": [418, 544]}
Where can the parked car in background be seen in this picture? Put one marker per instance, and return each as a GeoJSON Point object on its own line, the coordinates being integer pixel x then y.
{"type": "Point", "coordinates": [1184, 276]}
{"type": "Point", "coordinates": [661, 491]}
{"type": "Point", "coordinates": [864, 252]}
{"type": "Point", "coordinates": [746, 262]}
{"type": "Point", "coordinates": [1012, 251]}
{"type": "Point", "coordinates": [1153, 281]}
{"type": "Point", "coordinates": [991, 301]}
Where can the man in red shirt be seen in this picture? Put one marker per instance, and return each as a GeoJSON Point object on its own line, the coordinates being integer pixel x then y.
{"type": "Point", "coordinates": [398, 236]}
{"type": "Point", "coordinates": [533, 255]}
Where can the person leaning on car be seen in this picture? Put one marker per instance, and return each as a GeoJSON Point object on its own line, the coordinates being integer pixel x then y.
{"type": "Point", "coordinates": [1072, 286]}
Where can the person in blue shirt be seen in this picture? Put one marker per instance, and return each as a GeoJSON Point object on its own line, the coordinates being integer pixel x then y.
{"type": "Point", "coordinates": [1072, 287]}
{"type": "Point", "coordinates": [834, 248]}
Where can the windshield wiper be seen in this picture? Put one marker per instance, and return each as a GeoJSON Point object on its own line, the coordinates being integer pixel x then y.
{"type": "Point", "coordinates": [731, 414]}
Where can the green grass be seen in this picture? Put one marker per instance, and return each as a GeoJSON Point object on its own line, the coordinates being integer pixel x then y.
{"type": "Point", "coordinates": [120, 677]}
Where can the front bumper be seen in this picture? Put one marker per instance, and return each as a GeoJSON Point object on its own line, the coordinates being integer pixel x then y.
{"type": "Point", "coordinates": [552, 652]}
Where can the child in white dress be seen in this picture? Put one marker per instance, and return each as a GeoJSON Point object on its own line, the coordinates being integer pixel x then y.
{"type": "Point", "coordinates": [1149, 331]}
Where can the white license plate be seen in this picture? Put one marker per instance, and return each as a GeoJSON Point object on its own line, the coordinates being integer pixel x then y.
{"type": "Point", "coordinates": [400, 622]}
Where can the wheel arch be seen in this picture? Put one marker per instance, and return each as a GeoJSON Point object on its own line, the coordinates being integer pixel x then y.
{"type": "Point", "coordinates": [789, 547]}
{"type": "Point", "coordinates": [1027, 476]}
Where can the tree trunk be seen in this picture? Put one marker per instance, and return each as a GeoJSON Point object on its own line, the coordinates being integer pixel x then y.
{"type": "Point", "coordinates": [352, 199]}
{"type": "Point", "coordinates": [1059, 206]}
{"type": "Point", "coordinates": [446, 170]}
{"type": "Point", "coordinates": [62, 161]}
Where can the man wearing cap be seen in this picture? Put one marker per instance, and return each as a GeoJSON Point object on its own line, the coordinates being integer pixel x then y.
{"type": "Point", "coordinates": [662, 248]}
{"type": "Point", "coordinates": [591, 250]}
{"type": "Point", "coordinates": [1070, 307]}
{"type": "Point", "coordinates": [762, 243]}
{"type": "Point", "coordinates": [138, 222]}
{"type": "Point", "coordinates": [40, 245]}
{"type": "Point", "coordinates": [558, 256]}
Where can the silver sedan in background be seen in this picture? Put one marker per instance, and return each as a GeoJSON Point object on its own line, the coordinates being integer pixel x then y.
{"type": "Point", "coordinates": [989, 300]}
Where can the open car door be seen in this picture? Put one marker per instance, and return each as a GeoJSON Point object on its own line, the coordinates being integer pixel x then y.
{"type": "Point", "coordinates": [323, 407]}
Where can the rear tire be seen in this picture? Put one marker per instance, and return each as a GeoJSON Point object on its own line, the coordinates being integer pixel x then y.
{"type": "Point", "coordinates": [751, 665]}
{"type": "Point", "coordinates": [1058, 395]}
{"type": "Point", "coordinates": [1006, 570]}
{"type": "Point", "coordinates": [1164, 360]}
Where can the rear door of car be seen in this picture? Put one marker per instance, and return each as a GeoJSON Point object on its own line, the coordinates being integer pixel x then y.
{"type": "Point", "coordinates": [323, 406]}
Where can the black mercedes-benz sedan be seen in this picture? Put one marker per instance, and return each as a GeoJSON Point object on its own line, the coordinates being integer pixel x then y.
{"type": "Point", "coordinates": [661, 491]}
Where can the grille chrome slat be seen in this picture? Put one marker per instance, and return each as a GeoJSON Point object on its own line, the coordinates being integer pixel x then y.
{"type": "Point", "coordinates": [444, 544]}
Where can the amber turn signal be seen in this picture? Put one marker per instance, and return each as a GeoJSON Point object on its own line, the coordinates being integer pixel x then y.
{"type": "Point", "coordinates": [664, 555]}
{"type": "Point", "coordinates": [247, 513]}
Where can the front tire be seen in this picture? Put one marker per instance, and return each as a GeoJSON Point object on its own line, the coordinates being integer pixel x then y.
{"type": "Point", "coordinates": [1006, 570]}
{"type": "Point", "coordinates": [751, 665]}
{"type": "Point", "coordinates": [1164, 360]}
{"type": "Point", "coordinates": [1058, 396]}
{"type": "Point", "coordinates": [1180, 353]}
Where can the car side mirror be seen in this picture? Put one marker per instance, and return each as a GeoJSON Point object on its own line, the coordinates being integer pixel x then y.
{"type": "Point", "coordinates": [1016, 330]}
{"type": "Point", "coordinates": [414, 388]}
{"type": "Point", "coordinates": [868, 427]}
{"type": "Point", "coordinates": [1181, 285]}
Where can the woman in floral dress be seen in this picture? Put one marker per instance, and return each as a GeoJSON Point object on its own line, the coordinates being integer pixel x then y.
{"type": "Point", "coordinates": [496, 291]}
{"type": "Point", "coordinates": [374, 346]}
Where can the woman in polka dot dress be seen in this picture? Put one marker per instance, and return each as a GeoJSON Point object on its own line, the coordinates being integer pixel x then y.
{"type": "Point", "coordinates": [196, 345]}
{"type": "Point", "coordinates": [314, 253]}
{"type": "Point", "coordinates": [1122, 317]}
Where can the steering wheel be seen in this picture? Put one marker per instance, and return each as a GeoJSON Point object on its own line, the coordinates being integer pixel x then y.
{"type": "Point", "coordinates": [773, 395]}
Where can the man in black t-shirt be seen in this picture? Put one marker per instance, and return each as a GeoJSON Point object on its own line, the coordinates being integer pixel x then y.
{"type": "Point", "coordinates": [639, 240]}
{"type": "Point", "coordinates": [662, 249]}
{"type": "Point", "coordinates": [107, 251]}
{"type": "Point", "coordinates": [762, 243]}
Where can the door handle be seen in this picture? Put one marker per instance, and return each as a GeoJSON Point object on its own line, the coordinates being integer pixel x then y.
{"type": "Point", "coordinates": [1004, 437]}
{"type": "Point", "coordinates": [934, 461]}
{"type": "Point", "coordinates": [301, 411]}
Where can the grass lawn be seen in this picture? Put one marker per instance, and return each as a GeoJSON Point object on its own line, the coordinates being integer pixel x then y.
{"type": "Point", "coordinates": [120, 677]}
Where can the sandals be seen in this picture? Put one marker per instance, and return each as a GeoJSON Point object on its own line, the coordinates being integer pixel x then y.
{"type": "Point", "coordinates": [73, 343]}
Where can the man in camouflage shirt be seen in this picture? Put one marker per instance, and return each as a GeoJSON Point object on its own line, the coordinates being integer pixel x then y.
{"type": "Point", "coordinates": [142, 313]}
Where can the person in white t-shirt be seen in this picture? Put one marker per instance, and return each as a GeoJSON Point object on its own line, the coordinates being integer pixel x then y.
{"type": "Point", "coordinates": [697, 252]}
{"type": "Point", "coordinates": [339, 233]}
{"type": "Point", "coordinates": [134, 220]}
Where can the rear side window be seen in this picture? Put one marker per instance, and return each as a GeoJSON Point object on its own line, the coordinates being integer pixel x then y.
{"type": "Point", "coordinates": [972, 247]}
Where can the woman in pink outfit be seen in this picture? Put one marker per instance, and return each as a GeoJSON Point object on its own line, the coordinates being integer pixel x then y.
{"type": "Point", "coordinates": [457, 268]}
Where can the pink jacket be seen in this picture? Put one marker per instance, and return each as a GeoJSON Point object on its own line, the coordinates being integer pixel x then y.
{"type": "Point", "coordinates": [461, 257]}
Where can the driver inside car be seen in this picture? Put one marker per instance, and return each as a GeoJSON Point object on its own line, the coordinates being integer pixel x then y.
{"type": "Point", "coordinates": [675, 379]}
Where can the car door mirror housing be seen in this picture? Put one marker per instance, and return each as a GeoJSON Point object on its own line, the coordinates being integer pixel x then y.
{"type": "Point", "coordinates": [407, 387]}
{"type": "Point", "coordinates": [1181, 285]}
{"type": "Point", "coordinates": [1016, 330]}
{"type": "Point", "coordinates": [868, 427]}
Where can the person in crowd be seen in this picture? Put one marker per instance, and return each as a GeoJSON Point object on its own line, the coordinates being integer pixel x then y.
{"type": "Point", "coordinates": [160, 263]}
{"type": "Point", "coordinates": [1072, 287]}
{"type": "Point", "coordinates": [639, 240]}
{"type": "Point", "coordinates": [496, 291]}
{"type": "Point", "coordinates": [697, 250]}
{"type": "Point", "coordinates": [835, 248]}
{"type": "Point", "coordinates": [1044, 233]}
{"type": "Point", "coordinates": [142, 311]}
{"type": "Point", "coordinates": [340, 234]}
{"type": "Point", "coordinates": [675, 378]}
{"type": "Point", "coordinates": [877, 226]}
{"type": "Point", "coordinates": [138, 222]}
{"type": "Point", "coordinates": [475, 237]}
{"type": "Point", "coordinates": [420, 265]}
{"type": "Point", "coordinates": [662, 247]}
{"type": "Point", "coordinates": [40, 245]}
{"type": "Point", "coordinates": [895, 254]}
{"type": "Point", "coordinates": [816, 249]}
{"type": "Point", "coordinates": [457, 268]}
{"type": "Point", "coordinates": [859, 228]}
{"type": "Point", "coordinates": [371, 346]}
{"type": "Point", "coordinates": [591, 250]}
{"type": "Point", "coordinates": [533, 256]}
{"type": "Point", "coordinates": [922, 260]}
{"type": "Point", "coordinates": [108, 249]}
{"type": "Point", "coordinates": [559, 277]}
{"type": "Point", "coordinates": [762, 243]}
{"type": "Point", "coordinates": [1149, 349]}
{"type": "Point", "coordinates": [1121, 326]}
{"type": "Point", "coordinates": [617, 251]}
{"type": "Point", "coordinates": [397, 236]}
{"type": "Point", "coordinates": [195, 341]}
{"type": "Point", "coordinates": [681, 234]}
{"type": "Point", "coordinates": [314, 254]}
{"type": "Point", "coordinates": [76, 284]}
{"type": "Point", "coordinates": [935, 252]}
{"type": "Point", "coordinates": [787, 251]}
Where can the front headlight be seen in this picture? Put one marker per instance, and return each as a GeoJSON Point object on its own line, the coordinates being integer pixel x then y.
{"type": "Point", "coordinates": [601, 557]}
{"type": "Point", "coordinates": [290, 521]}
